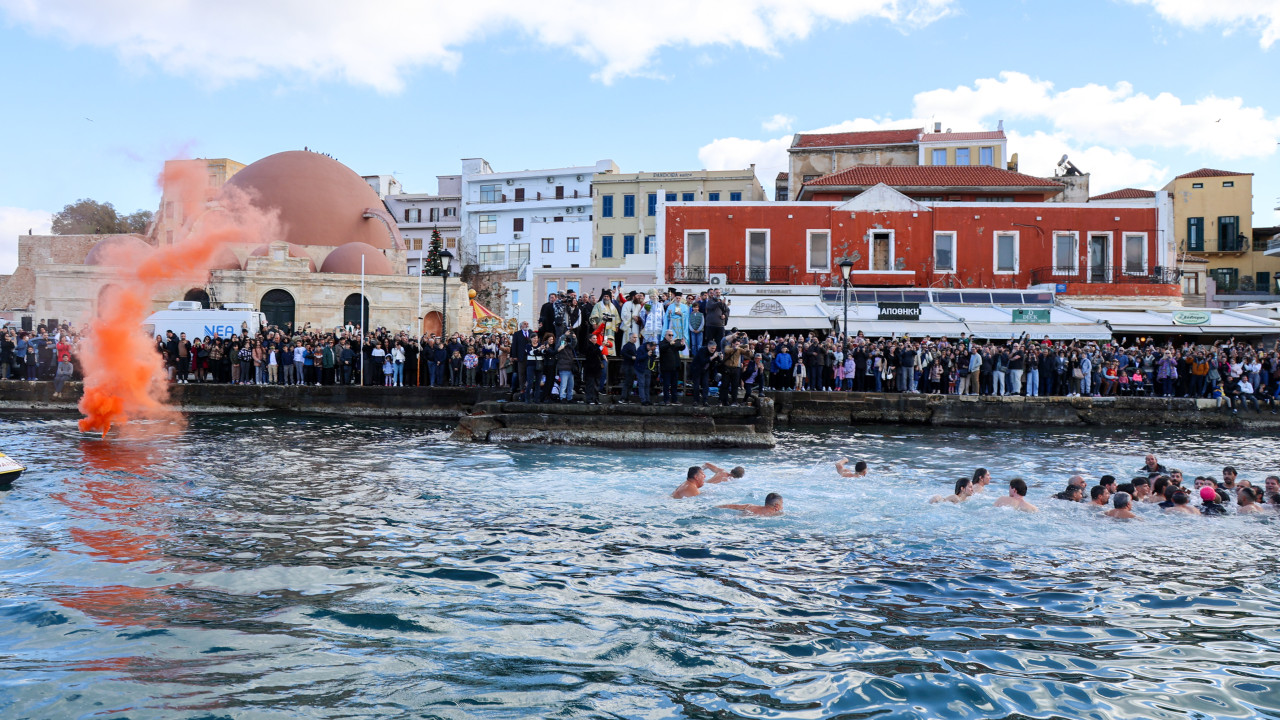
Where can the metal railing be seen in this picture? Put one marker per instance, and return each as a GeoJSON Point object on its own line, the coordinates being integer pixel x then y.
{"type": "Point", "coordinates": [735, 274]}
{"type": "Point", "coordinates": [530, 197]}
{"type": "Point", "coordinates": [1105, 274]}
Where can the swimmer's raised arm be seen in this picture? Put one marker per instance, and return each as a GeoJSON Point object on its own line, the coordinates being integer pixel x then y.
{"type": "Point", "coordinates": [840, 468]}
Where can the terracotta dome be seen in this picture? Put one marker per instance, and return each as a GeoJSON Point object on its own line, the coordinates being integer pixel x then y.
{"type": "Point", "coordinates": [346, 259]}
{"type": "Point", "coordinates": [224, 259]}
{"type": "Point", "coordinates": [294, 252]}
{"type": "Point", "coordinates": [320, 200]}
{"type": "Point", "coordinates": [118, 250]}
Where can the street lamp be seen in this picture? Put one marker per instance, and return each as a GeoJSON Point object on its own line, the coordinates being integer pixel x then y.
{"type": "Point", "coordinates": [846, 266]}
{"type": "Point", "coordinates": [446, 258]}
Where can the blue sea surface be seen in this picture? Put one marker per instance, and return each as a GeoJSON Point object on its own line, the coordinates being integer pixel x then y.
{"type": "Point", "coordinates": [275, 566]}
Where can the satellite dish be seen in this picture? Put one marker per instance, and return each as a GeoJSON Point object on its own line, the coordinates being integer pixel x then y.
{"type": "Point", "coordinates": [1063, 160]}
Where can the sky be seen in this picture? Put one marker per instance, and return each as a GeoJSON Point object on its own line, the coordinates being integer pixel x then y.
{"type": "Point", "coordinates": [99, 93]}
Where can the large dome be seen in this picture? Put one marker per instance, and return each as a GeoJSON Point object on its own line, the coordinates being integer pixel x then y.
{"type": "Point", "coordinates": [320, 200]}
{"type": "Point", "coordinates": [346, 260]}
{"type": "Point", "coordinates": [117, 250]}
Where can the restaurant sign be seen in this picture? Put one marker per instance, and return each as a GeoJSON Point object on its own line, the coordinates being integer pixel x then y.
{"type": "Point", "coordinates": [1190, 317]}
{"type": "Point", "coordinates": [899, 311]}
{"type": "Point", "coordinates": [1030, 315]}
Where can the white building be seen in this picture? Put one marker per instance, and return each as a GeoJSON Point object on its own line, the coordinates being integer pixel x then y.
{"type": "Point", "coordinates": [418, 214]}
{"type": "Point", "coordinates": [515, 221]}
{"type": "Point", "coordinates": [384, 185]}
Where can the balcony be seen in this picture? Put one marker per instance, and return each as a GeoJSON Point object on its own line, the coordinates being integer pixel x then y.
{"type": "Point", "coordinates": [1105, 274]}
{"type": "Point", "coordinates": [735, 274]}
{"type": "Point", "coordinates": [536, 197]}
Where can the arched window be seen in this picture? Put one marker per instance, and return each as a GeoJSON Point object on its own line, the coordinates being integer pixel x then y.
{"type": "Point", "coordinates": [198, 295]}
{"type": "Point", "coordinates": [277, 305]}
{"type": "Point", "coordinates": [351, 313]}
{"type": "Point", "coordinates": [433, 323]}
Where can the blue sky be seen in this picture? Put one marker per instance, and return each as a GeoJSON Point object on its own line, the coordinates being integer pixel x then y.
{"type": "Point", "coordinates": [99, 93]}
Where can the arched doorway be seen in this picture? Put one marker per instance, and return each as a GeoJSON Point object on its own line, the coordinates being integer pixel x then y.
{"type": "Point", "coordinates": [277, 305]}
{"type": "Point", "coordinates": [433, 323]}
{"type": "Point", "coordinates": [351, 314]}
{"type": "Point", "coordinates": [198, 295]}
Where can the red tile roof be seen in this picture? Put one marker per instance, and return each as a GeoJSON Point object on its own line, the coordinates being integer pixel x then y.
{"type": "Point", "coordinates": [963, 136]}
{"type": "Point", "coordinates": [872, 137]}
{"type": "Point", "coordinates": [931, 176]}
{"type": "Point", "coordinates": [781, 176]}
{"type": "Point", "coordinates": [1125, 194]}
{"type": "Point", "coordinates": [1209, 172]}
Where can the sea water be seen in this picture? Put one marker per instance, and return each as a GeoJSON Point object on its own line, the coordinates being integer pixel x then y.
{"type": "Point", "coordinates": [274, 566]}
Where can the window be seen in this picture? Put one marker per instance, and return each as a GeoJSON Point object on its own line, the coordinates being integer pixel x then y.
{"type": "Point", "coordinates": [1227, 279]}
{"type": "Point", "coordinates": [808, 178]}
{"type": "Point", "coordinates": [559, 192]}
{"type": "Point", "coordinates": [1228, 183]}
{"type": "Point", "coordinates": [488, 224]}
{"type": "Point", "coordinates": [606, 246]}
{"type": "Point", "coordinates": [517, 224]}
{"type": "Point", "coordinates": [1065, 253]}
{"type": "Point", "coordinates": [548, 245]}
{"type": "Point", "coordinates": [519, 194]}
{"type": "Point", "coordinates": [415, 243]}
{"type": "Point", "coordinates": [435, 214]}
{"type": "Point", "coordinates": [653, 204]}
{"type": "Point", "coordinates": [515, 297]}
{"type": "Point", "coordinates": [558, 218]}
{"type": "Point", "coordinates": [939, 156]}
{"type": "Point", "coordinates": [1135, 254]}
{"type": "Point", "coordinates": [1228, 232]}
{"type": "Point", "coordinates": [695, 249]}
{"type": "Point", "coordinates": [519, 253]}
{"type": "Point", "coordinates": [686, 197]}
{"type": "Point", "coordinates": [552, 287]}
{"type": "Point", "coordinates": [412, 215]}
{"type": "Point", "coordinates": [987, 156]}
{"type": "Point", "coordinates": [451, 243]}
{"type": "Point", "coordinates": [1196, 186]}
{"type": "Point", "coordinates": [572, 245]}
{"type": "Point", "coordinates": [995, 198]}
{"type": "Point", "coordinates": [628, 245]}
{"type": "Point", "coordinates": [882, 251]}
{"type": "Point", "coordinates": [606, 206]}
{"type": "Point", "coordinates": [450, 212]}
{"type": "Point", "coordinates": [493, 255]}
{"type": "Point", "coordinates": [779, 194]}
{"type": "Point", "coordinates": [648, 245]}
{"type": "Point", "coordinates": [757, 255]}
{"type": "Point", "coordinates": [488, 193]}
{"type": "Point", "coordinates": [628, 206]}
{"type": "Point", "coordinates": [944, 252]}
{"type": "Point", "coordinates": [572, 285]}
{"type": "Point", "coordinates": [1263, 283]}
{"type": "Point", "coordinates": [737, 197]}
{"type": "Point", "coordinates": [671, 197]}
{"type": "Point", "coordinates": [713, 197]}
{"type": "Point", "coordinates": [1195, 234]}
{"type": "Point", "coordinates": [962, 156]}
{"type": "Point", "coordinates": [819, 251]}
{"type": "Point", "coordinates": [1006, 252]}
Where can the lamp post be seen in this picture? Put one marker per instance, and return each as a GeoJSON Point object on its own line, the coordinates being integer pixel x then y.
{"type": "Point", "coordinates": [846, 265]}
{"type": "Point", "coordinates": [446, 258]}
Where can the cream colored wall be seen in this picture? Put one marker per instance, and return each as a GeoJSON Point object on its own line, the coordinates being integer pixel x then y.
{"type": "Point", "coordinates": [975, 153]}
{"type": "Point", "coordinates": [1211, 202]}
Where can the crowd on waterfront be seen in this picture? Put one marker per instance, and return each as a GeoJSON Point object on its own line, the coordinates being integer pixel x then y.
{"type": "Point", "coordinates": [666, 347]}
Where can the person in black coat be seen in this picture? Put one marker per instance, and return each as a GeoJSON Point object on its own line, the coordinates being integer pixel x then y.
{"type": "Point", "coordinates": [547, 316]}
{"type": "Point", "coordinates": [700, 368]}
{"type": "Point", "coordinates": [669, 365]}
{"type": "Point", "coordinates": [628, 358]}
{"type": "Point", "coordinates": [521, 340]}
{"type": "Point", "coordinates": [592, 362]}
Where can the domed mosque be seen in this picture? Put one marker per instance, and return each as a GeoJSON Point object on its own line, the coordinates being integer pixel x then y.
{"type": "Point", "coordinates": [332, 226]}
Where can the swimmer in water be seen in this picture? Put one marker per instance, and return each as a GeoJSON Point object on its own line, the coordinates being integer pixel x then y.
{"type": "Point", "coordinates": [1073, 493]}
{"type": "Point", "coordinates": [772, 506]}
{"type": "Point", "coordinates": [692, 484]}
{"type": "Point", "coordinates": [1211, 501]}
{"type": "Point", "coordinates": [1248, 501]}
{"type": "Point", "coordinates": [981, 479]}
{"type": "Point", "coordinates": [1122, 507]}
{"type": "Point", "coordinates": [1099, 495]}
{"type": "Point", "coordinates": [1182, 504]}
{"type": "Point", "coordinates": [859, 468]}
{"type": "Point", "coordinates": [964, 489]}
{"type": "Point", "coordinates": [720, 475]}
{"type": "Point", "coordinates": [1017, 497]}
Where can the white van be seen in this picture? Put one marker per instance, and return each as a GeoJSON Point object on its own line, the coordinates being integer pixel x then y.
{"type": "Point", "coordinates": [185, 316]}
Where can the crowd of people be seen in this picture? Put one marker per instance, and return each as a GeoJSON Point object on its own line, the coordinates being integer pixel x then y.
{"type": "Point", "coordinates": [666, 347]}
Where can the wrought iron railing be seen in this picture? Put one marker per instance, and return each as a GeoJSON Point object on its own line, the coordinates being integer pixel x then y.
{"type": "Point", "coordinates": [735, 274]}
{"type": "Point", "coordinates": [1106, 274]}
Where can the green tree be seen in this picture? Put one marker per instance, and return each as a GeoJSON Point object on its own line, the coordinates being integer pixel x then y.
{"type": "Point", "coordinates": [89, 217]}
{"type": "Point", "coordinates": [432, 265]}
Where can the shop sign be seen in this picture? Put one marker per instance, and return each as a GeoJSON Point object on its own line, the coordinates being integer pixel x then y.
{"type": "Point", "coordinates": [899, 311]}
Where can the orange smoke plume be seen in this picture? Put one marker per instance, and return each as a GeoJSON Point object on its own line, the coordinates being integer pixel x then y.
{"type": "Point", "coordinates": [124, 377]}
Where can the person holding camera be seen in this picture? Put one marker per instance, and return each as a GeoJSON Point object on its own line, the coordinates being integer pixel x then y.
{"type": "Point", "coordinates": [669, 351]}
{"type": "Point", "coordinates": [731, 374]}
{"type": "Point", "coordinates": [700, 368]}
{"type": "Point", "coordinates": [717, 315]}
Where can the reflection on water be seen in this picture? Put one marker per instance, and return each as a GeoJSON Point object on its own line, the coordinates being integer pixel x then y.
{"type": "Point", "coordinates": [277, 566]}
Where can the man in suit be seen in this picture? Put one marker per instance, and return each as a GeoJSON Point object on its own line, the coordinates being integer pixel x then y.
{"type": "Point", "coordinates": [547, 316]}
{"type": "Point", "coordinates": [520, 342]}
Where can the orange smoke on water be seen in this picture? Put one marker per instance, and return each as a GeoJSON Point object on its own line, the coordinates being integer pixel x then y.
{"type": "Point", "coordinates": [124, 378]}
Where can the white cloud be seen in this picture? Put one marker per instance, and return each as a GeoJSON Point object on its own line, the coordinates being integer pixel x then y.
{"type": "Point", "coordinates": [1039, 153]}
{"type": "Point", "coordinates": [769, 156]}
{"type": "Point", "coordinates": [1260, 15]}
{"type": "Point", "coordinates": [778, 122]}
{"type": "Point", "coordinates": [375, 44]}
{"type": "Point", "coordinates": [14, 222]}
{"type": "Point", "coordinates": [1115, 116]}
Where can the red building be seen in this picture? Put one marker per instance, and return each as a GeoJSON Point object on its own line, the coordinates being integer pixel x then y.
{"type": "Point", "coordinates": [896, 241]}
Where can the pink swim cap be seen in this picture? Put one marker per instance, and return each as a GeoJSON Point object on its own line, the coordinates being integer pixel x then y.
{"type": "Point", "coordinates": [1208, 494]}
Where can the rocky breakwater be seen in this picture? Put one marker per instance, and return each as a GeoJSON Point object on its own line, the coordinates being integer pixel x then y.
{"type": "Point", "coordinates": [617, 425]}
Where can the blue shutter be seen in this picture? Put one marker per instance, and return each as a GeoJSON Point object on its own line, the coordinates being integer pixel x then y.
{"type": "Point", "coordinates": [686, 197]}
{"type": "Point", "coordinates": [606, 206]}
{"type": "Point", "coordinates": [648, 244]}
{"type": "Point", "coordinates": [1195, 234]}
{"type": "Point", "coordinates": [653, 204]}
{"type": "Point", "coordinates": [713, 197]}
{"type": "Point", "coordinates": [628, 245]}
{"type": "Point", "coordinates": [735, 197]}
{"type": "Point", "coordinates": [606, 246]}
{"type": "Point", "coordinates": [628, 206]}
{"type": "Point", "coordinates": [671, 197]}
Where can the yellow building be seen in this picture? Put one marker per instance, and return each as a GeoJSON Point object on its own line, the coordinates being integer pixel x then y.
{"type": "Point", "coordinates": [625, 206]}
{"type": "Point", "coordinates": [963, 148]}
{"type": "Point", "coordinates": [1213, 222]}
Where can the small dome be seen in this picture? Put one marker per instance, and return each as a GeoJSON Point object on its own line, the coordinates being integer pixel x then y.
{"type": "Point", "coordinates": [117, 251]}
{"type": "Point", "coordinates": [224, 259]}
{"type": "Point", "coordinates": [294, 252]}
{"type": "Point", "coordinates": [346, 260]}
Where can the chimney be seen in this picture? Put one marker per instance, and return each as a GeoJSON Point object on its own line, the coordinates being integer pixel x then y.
{"type": "Point", "coordinates": [937, 127]}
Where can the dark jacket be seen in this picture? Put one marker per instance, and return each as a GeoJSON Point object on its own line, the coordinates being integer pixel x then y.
{"type": "Point", "coordinates": [592, 359]}
{"type": "Point", "coordinates": [669, 355]}
{"type": "Point", "coordinates": [547, 319]}
{"type": "Point", "coordinates": [520, 344]}
{"type": "Point", "coordinates": [717, 313]}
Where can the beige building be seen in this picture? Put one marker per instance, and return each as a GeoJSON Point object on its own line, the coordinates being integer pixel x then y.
{"type": "Point", "coordinates": [1213, 222]}
{"type": "Point", "coordinates": [168, 221]}
{"type": "Point", "coordinates": [625, 206]}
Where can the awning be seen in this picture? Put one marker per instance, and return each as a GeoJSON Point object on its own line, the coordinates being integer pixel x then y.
{"type": "Point", "coordinates": [899, 328]}
{"type": "Point", "coordinates": [1152, 322]}
{"type": "Point", "coordinates": [773, 313]}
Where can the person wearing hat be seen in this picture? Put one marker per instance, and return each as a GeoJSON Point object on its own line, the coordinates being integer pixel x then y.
{"type": "Point", "coordinates": [1210, 501]}
{"type": "Point", "coordinates": [677, 320]}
